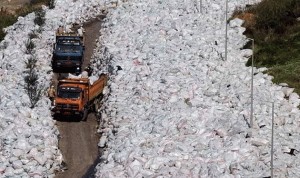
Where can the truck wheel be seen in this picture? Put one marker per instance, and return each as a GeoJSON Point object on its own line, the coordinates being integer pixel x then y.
{"type": "Point", "coordinates": [85, 114]}
{"type": "Point", "coordinates": [97, 105]}
{"type": "Point", "coordinates": [56, 117]}
{"type": "Point", "coordinates": [54, 69]}
{"type": "Point", "coordinates": [93, 108]}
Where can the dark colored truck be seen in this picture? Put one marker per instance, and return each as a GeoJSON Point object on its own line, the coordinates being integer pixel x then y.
{"type": "Point", "coordinates": [68, 52]}
{"type": "Point", "coordinates": [75, 96]}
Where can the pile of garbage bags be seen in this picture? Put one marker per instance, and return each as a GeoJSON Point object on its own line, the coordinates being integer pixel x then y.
{"type": "Point", "coordinates": [177, 108]}
{"type": "Point", "coordinates": [29, 136]}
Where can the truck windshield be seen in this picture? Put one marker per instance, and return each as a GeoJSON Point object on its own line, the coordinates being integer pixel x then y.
{"type": "Point", "coordinates": [68, 42]}
{"type": "Point", "coordinates": [69, 92]}
{"type": "Point", "coordinates": [68, 49]}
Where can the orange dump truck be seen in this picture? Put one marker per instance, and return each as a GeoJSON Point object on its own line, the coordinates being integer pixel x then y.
{"type": "Point", "coordinates": [76, 96]}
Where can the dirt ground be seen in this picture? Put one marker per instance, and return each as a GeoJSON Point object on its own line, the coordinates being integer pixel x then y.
{"type": "Point", "coordinates": [78, 144]}
{"type": "Point", "coordinates": [78, 140]}
{"type": "Point", "coordinates": [91, 34]}
{"type": "Point", "coordinates": [12, 5]}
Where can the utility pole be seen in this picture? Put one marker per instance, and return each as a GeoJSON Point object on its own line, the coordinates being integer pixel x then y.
{"type": "Point", "coordinates": [251, 117]}
{"type": "Point", "coordinates": [226, 32]}
{"type": "Point", "coordinates": [272, 140]}
{"type": "Point", "coordinates": [201, 6]}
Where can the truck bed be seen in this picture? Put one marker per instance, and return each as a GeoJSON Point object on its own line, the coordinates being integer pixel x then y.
{"type": "Point", "coordinates": [97, 87]}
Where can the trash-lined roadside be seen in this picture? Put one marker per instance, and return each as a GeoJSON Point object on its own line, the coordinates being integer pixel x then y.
{"type": "Point", "coordinates": [29, 137]}
{"type": "Point", "coordinates": [176, 109]}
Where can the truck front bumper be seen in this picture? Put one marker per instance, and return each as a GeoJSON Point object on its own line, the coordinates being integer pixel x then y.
{"type": "Point", "coordinates": [68, 112]}
{"type": "Point", "coordinates": [69, 66]}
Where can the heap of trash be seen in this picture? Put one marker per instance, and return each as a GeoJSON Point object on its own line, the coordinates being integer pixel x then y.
{"type": "Point", "coordinates": [28, 135]}
{"type": "Point", "coordinates": [177, 107]}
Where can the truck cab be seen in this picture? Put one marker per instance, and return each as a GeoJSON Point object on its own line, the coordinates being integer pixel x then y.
{"type": "Point", "coordinates": [68, 53]}
{"type": "Point", "coordinates": [75, 96]}
{"type": "Point", "coordinates": [71, 99]}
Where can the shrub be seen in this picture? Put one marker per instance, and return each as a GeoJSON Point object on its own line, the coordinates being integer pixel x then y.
{"type": "Point", "coordinates": [275, 14]}
{"type": "Point", "coordinates": [276, 34]}
{"type": "Point", "coordinates": [51, 4]}
{"type": "Point", "coordinates": [33, 88]}
{"type": "Point", "coordinates": [32, 35]}
{"type": "Point", "coordinates": [39, 17]}
{"type": "Point", "coordinates": [31, 63]}
{"type": "Point", "coordinates": [30, 46]}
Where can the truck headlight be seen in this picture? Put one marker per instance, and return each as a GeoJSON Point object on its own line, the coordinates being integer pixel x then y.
{"type": "Point", "coordinates": [58, 63]}
{"type": "Point", "coordinates": [78, 68]}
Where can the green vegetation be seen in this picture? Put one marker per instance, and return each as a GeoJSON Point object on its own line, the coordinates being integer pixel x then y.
{"type": "Point", "coordinates": [29, 47]}
{"type": "Point", "coordinates": [49, 3]}
{"type": "Point", "coordinates": [7, 19]}
{"type": "Point", "coordinates": [39, 17]}
{"type": "Point", "coordinates": [275, 29]}
{"type": "Point", "coordinates": [34, 89]}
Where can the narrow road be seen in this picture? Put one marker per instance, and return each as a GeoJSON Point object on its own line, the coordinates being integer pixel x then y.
{"type": "Point", "coordinates": [78, 144]}
{"type": "Point", "coordinates": [91, 34]}
{"type": "Point", "coordinates": [78, 140]}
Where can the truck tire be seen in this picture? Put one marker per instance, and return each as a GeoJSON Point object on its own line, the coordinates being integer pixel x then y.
{"type": "Point", "coordinates": [56, 117]}
{"type": "Point", "coordinates": [54, 69]}
{"type": "Point", "coordinates": [93, 107]}
{"type": "Point", "coordinates": [85, 114]}
{"type": "Point", "coordinates": [97, 104]}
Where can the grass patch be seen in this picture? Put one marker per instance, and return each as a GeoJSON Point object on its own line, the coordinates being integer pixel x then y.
{"type": "Point", "coordinates": [289, 73]}
{"type": "Point", "coordinates": [7, 19]}
{"type": "Point", "coordinates": [275, 28]}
